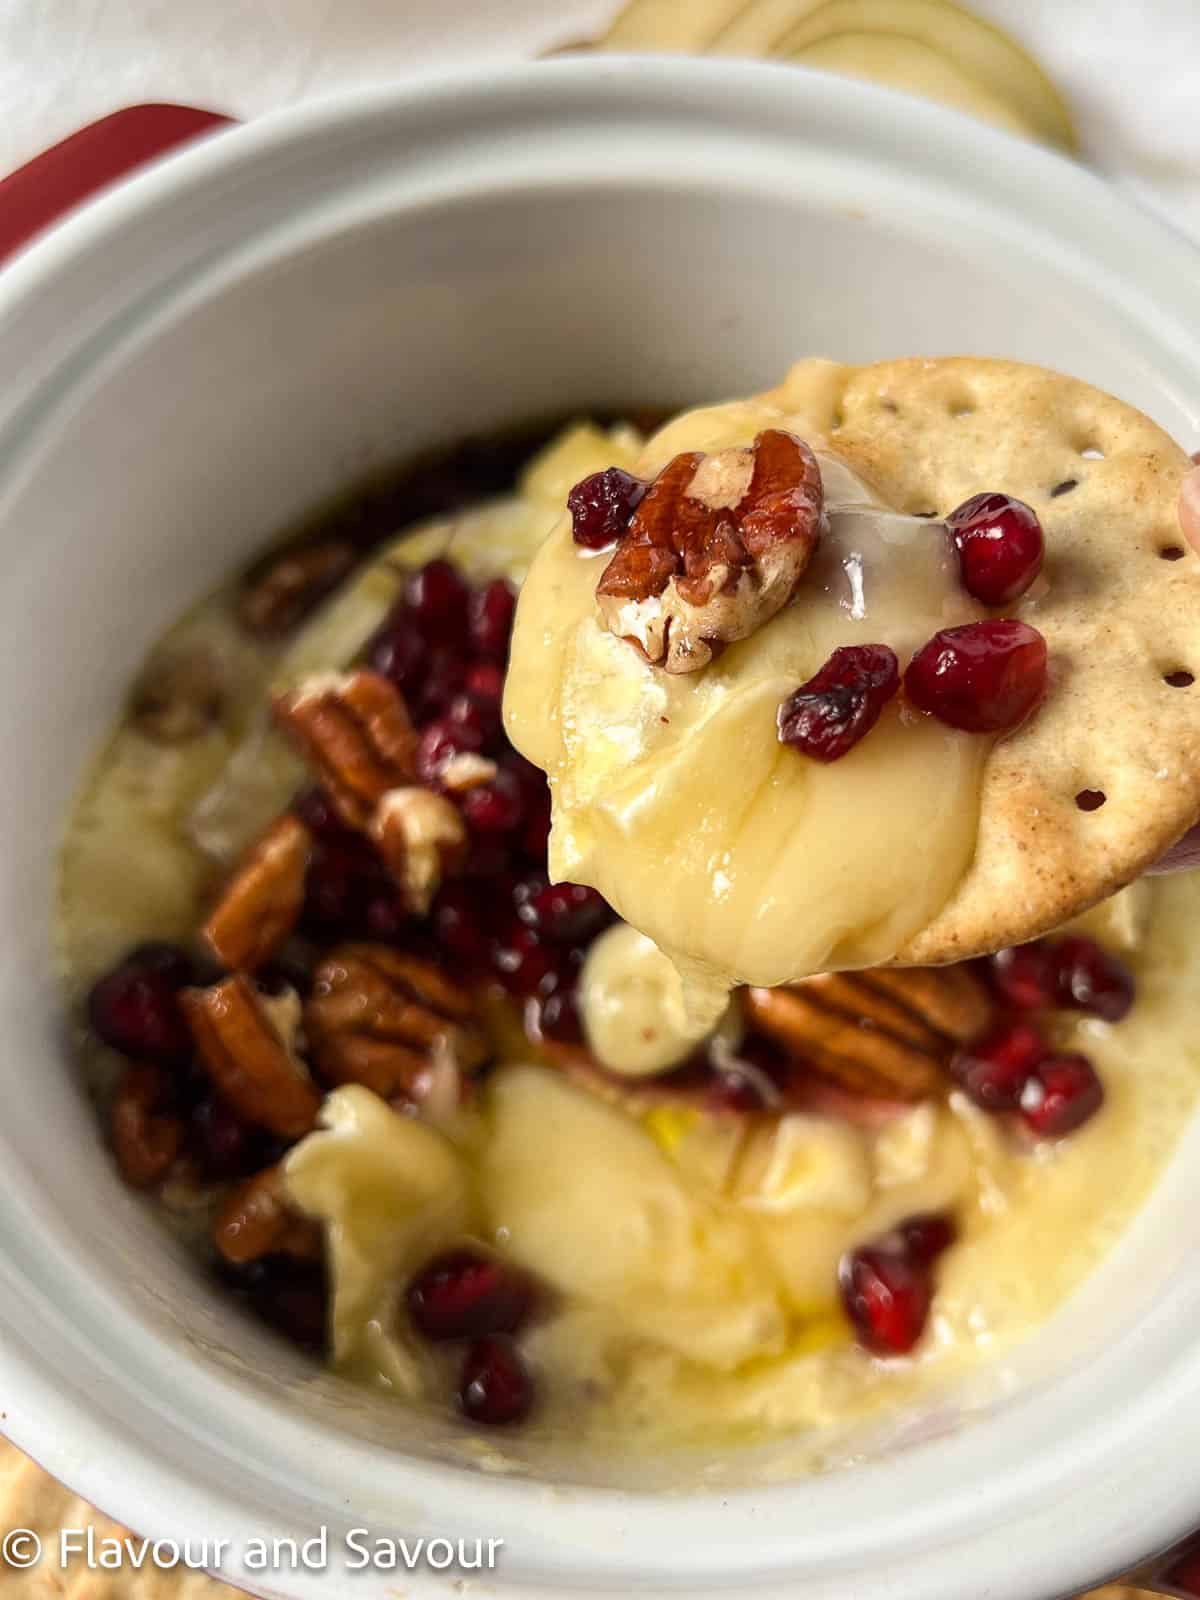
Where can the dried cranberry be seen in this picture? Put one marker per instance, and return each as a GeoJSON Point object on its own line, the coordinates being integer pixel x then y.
{"type": "Point", "coordinates": [926, 1236]}
{"type": "Point", "coordinates": [485, 681]}
{"type": "Point", "coordinates": [887, 1296]}
{"type": "Point", "coordinates": [601, 506]}
{"type": "Point", "coordinates": [398, 651]}
{"type": "Point", "coordinates": [225, 1146]}
{"type": "Point", "coordinates": [496, 1386]}
{"type": "Point", "coordinates": [458, 924]}
{"type": "Point", "coordinates": [1063, 1092]}
{"type": "Point", "coordinates": [1024, 976]}
{"type": "Point", "coordinates": [441, 739]}
{"type": "Point", "coordinates": [491, 620]}
{"type": "Point", "coordinates": [494, 807]}
{"type": "Point", "coordinates": [438, 600]}
{"type": "Point", "coordinates": [568, 913]}
{"type": "Point", "coordinates": [134, 1009]}
{"type": "Point", "coordinates": [1089, 979]}
{"type": "Point", "coordinates": [995, 1069]}
{"type": "Point", "coordinates": [1000, 546]}
{"type": "Point", "coordinates": [985, 677]}
{"type": "Point", "coordinates": [827, 716]}
{"type": "Point", "coordinates": [463, 1293]}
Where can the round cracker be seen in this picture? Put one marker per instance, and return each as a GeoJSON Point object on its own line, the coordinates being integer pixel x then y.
{"type": "Point", "coordinates": [1118, 602]}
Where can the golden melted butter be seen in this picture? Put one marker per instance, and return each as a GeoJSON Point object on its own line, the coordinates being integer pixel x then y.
{"type": "Point", "coordinates": [740, 858]}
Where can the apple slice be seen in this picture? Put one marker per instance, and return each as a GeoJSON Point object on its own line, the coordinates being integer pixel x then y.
{"type": "Point", "coordinates": [996, 62]}
{"type": "Point", "coordinates": [901, 63]}
{"type": "Point", "coordinates": [669, 25]}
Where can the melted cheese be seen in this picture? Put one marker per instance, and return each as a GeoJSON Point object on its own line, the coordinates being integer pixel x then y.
{"type": "Point", "coordinates": [743, 860]}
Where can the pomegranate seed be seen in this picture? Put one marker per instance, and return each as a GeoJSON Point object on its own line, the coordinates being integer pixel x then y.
{"type": "Point", "coordinates": [523, 962]}
{"type": "Point", "coordinates": [491, 620]}
{"type": "Point", "coordinates": [496, 806]}
{"type": "Point", "coordinates": [289, 1295]}
{"type": "Point", "coordinates": [398, 651]}
{"type": "Point", "coordinates": [568, 913]}
{"type": "Point", "coordinates": [887, 1297]}
{"type": "Point", "coordinates": [985, 677]}
{"type": "Point", "coordinates": [458, 926]}
{"type": "Point", "coordinates": [927, 1236]}
{"type": "Point", "coordinates": [496, 1386]}
{"type": "Point", "coordinates": [479, 717]}
{"type": "Point", "coordinates": [134, 1008]}
{"type": "Point", "coordinates": [827, 716]}
{"type": "Point", "coordinates": [463, 1293]}
{"type": "Point", "coordinates": [1062, 1094]}
{"type": "Point", "coordinates": [995, 1069]}
{"type": "Point", "coordinates": [602, 505]}
{"type": "Point", "coordinates": [315, 810]}
{"type": "Point", "coordinates": [445, 672]}
{"type": "Point", "coordinates": [385, 917]}
{"type": "Point", "coordinates": [1089, 979]}
{"type": "Point", "coordinates": [485, 681]}
{"type": "Point", "coordinates": [1025, 976]}
{"type": "Point", "coordinates": [555, 1016]}
{"type": "Point", "coordinates": [342, 879]}
{"type": "Point", "coordinates": [1000, 546]}
{"type": "Point", "coordinates": [734, 1091]}
{"type": "Point", "coordinates": [438, 599]}
{"type": "Point", "coordinates": [441, 739]}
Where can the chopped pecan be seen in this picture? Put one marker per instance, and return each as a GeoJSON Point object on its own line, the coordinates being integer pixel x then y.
{"type": "Point", "coordinates": [261, 903]}
{"type": "Point", "coordinates": [257, 1220]}
{"type": "Point", "coordinates": [244, 1040]}
{"type": "Point", "coordinates": [382, 1018]}
{"type": "Point", "coordinates": [147, 1135]}
{"type": "Point", "coordinates": [887, 1032]}
{"type": "Point", "coordinates": [281, 591]}
{"type": "Point", "coordinates": [354, 730]}
{"type": "Point", "coordinates": [716, 547]}
{"type": "Point", "coordinates": [179, 696]}
{"type": "Point", "coordinates": [421, 838]}
{"type": "Point", "coordinates": [464, 771]}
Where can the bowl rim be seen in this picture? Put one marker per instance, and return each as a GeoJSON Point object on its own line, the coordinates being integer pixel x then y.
{"type": "Point", "coordinates": [47, 287]}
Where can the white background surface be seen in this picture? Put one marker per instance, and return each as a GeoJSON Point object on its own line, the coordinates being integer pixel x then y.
{"type": "Point", "coordinates": [1130, 67]}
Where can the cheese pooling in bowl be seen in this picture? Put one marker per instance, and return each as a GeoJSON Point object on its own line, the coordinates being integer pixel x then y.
{"type": "Point", "coordinates": [673, 795]}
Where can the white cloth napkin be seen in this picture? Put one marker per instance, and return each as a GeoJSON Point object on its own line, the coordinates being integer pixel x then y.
{"type": "Point", "coordinates": [1130, 67]}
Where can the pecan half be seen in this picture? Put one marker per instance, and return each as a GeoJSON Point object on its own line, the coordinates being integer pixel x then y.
{"type": "Point", "coordinates": [354, 730]}
{"type": "Point", "coordinates": [716, 547]}
{"type": "Point", "coordinates": [262, 901]}
{"type": "Point", "coordinates": [257, 1220]}
{"type": "Point", "coordinates": [281, 591]}
{"type": "Point", "coordinates": [147, 1135]}
{"type": "Point", "coordinates": [382, 1018]}
{"type": "Point", "coordinates": [422, 839]}
{"type": "Point", "coordinates": [244, 1041]}
{"type": "Point", "coordinates": [887, 1032]}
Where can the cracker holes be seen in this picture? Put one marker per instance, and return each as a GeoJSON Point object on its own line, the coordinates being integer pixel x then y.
{"type": "Point", "coordinates": [889, 406]}
{"type": "Point", "coordinates": [1064, 487]}
{"type": "Point", "coordinates": [1090, 799]}
{"type": "Point", "coordinates": [1180, 678]}
{"type": "Point", "coordinates": [1170, 552]}
{"type": "Point", "coordinates": [1091, 452]}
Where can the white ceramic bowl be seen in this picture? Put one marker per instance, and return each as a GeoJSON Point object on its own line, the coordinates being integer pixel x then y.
{"type": "Point", "coordinates": [203, 354]}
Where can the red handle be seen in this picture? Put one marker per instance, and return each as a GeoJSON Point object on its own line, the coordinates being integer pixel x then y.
{"type": "Point", "coordinates": [53, 183]}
